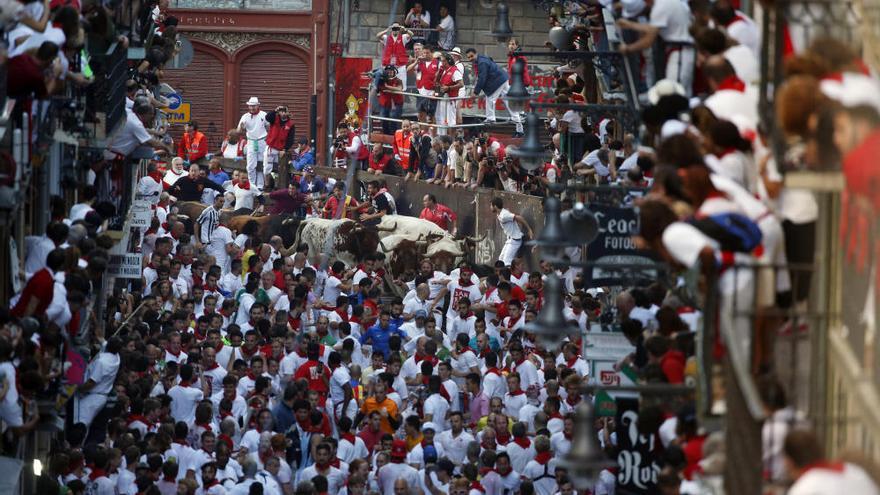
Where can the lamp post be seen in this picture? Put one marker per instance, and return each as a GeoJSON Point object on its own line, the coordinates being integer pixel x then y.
{"type": "Point", "coordinates": [502, 30]}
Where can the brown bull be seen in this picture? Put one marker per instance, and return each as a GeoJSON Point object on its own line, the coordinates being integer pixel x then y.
{"type": "Point", "coordinates": [266, 226]}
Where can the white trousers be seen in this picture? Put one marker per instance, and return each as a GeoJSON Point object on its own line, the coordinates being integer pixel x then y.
{"type": "Point", "coordinates": [87, 407]}
{"type": "Point", "coordinates": [680, 67]}
{"type": "Point", "coordinates": [270, 159]}
{"type": "Point", "coordinates": [508, 252]}
{"type": "Point", "coordinates": [256, 150]}
{"type": "Point", "coordinates": [491, 101]}
{"type": "Point", "coordinates": [447, 114]}
{"type": "Point", "coordinates": [401, 74]}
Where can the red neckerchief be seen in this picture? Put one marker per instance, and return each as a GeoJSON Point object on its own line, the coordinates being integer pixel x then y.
{"type": "Point", "coordinates": [246, 186]}
{"type": "Point", "coordinates": [486, 447]}
{"type": "Point", "coordinates": [505, 472]}
{"type": "Point", "coordinates": [225, 439]}
{"type": "Point", "coordinates": [543, 457]}
{"type": "Point", "coordinates": [573, 400]}
{"type": "Point", "coordinates": [156, 176]}
{"type": "Point", "coordinates": [419, 357]}
{"type": "Point", "coordinates": [248, 354]}
{"type": "Point", "coordinates": [294, 322]}
{"type": "Point", "coordinates": [556, 415]}
{"type": "Point", "coordinates": [169, 479]}
{"type": "Point", "coordinates": [733, 83]}
{"type": "Point", "coordinates": [185, 383]}
{"type": "Point", "coordinates": [516, 274]}
{"type": "Point", "coordinates": [518, 392]}
{"type": "Point", "coordinates": [213, 366]}
{"type": "Point", "coordinates": [210, 484]}
{"type": "Point", "coordinates": [468, 348]}
{"type": "Point", "coordinates": [491, 371]}
{"type": "Point", "coordinates": [424, 443]}
{"type": "Point", "coordinates": [570, 363]}
{"type": "Point", "coordinates": [568, 436]}
{"type": "Point", "coordinates": [335, 463]}
{"type": "Point", "coordinates": [342, 314]}
{"type": "Point", "coordinates": [502, 438]}
{"type": "Point", "coordinates": [484, 471]}
{"type": "Point", "coordinates": [466, 316]}
{"type": "Point", "coordinates": [322, 466]}
{"type": "Point", "coordinates": [485, 352]}
{"type": "Point", "coordinates": [736, 17]}
{"type": "Point", "coordinates": [348, 436]}
{"type": "Point", "coordinates": [97, 473]}
{"type": "Point", "coordinates": [206, 426]}
{"type": "Point", "coordinates": [138, 417]}
{"type": "Point", "coordinates": [175, 354]}
{"type": "Point", "coordinates": [174, 236]}
{"type": "Point", "coordinates": [523, 442]}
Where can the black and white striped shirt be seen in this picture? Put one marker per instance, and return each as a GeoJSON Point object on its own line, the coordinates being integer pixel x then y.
{"type": "Point", "coordinates": [209, 219]}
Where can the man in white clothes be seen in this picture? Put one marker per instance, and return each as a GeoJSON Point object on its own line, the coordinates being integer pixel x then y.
{"type": "Point", "coordinates": [185, 397]}
{"type": "Point", "coordinates": [671, 21]}
{"type": "Point", "coordinates": [513, 226]}
{"type": "Point", "coordinates": [253, 125]}
{"type": "Point", "coordinates": [455, 440]}
{"type": "Point", "coordinates": [100, 375]}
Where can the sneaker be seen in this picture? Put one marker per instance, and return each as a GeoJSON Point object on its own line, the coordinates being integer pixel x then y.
{"type": "Point", "coordinates": [489, 121]}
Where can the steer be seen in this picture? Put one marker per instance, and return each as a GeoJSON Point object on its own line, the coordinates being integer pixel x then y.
{"type": "Point", "coordinates": [411, 227]}
{"type": "Point", "coordinates": [350, 241]}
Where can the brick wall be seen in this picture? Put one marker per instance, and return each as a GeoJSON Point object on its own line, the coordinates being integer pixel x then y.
{"type": "Point", "coordinates": [473, 25]}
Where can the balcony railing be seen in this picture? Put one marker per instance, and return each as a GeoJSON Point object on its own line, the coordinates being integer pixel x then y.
{"type": "Point", "coordinates": [274, 5]}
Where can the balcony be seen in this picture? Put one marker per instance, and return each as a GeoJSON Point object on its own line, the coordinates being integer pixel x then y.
{"type": "Point", "coordinates": [275, 5]}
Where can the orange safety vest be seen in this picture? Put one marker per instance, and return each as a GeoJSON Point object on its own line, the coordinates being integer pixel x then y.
{"type": "Point", "coordinates": [401, 147]}
{"type": "Point", "coordinates": [191, 145]}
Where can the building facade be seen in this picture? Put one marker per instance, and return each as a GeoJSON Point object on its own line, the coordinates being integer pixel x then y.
{"type": "Point", "coordinates": [275, 50]}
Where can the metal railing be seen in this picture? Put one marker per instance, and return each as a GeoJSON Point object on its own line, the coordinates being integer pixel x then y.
{"type": "Point", "coordinates": [107, 96]}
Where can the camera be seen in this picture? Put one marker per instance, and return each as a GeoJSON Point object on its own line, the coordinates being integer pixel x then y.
{"type": "Point", "coordinates": [491, 162]}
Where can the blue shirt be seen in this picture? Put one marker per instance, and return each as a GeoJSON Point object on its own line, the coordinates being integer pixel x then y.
{"type": "Point", "coordinates": [307, 158]}
{"type": "Point", "coordinates": [218, 178]}
{"type": "Point", "coordinates": [283, 417]}
{"type": "Point", "coordinates": [315, 186]}
{"type": "Point", "coordinates": [379, 337]}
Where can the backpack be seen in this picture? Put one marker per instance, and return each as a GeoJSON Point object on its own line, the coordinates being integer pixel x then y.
{"type": "Point", "coordinates": [733, 231]}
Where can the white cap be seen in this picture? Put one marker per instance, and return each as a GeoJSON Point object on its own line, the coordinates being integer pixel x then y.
{"type": "Point", "coordinates": [853, 90]}
{"type": "Point", "coordinates": [672, 128]}
{"type": "Point", "coordinates": [253, 101]}
{"type": "Point", "coordinates": [429, 426]}
{"type": "Point", "coordinates": [664, 87]}
{"type": "Point", "coordinates": [632, 8]}
{"type": "Point", "coordinates": [456, 51]}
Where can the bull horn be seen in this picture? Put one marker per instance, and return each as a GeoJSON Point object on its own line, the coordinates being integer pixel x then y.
{"type": "Point", "coordinates": [382, 245]}
{"type": "Point", "coordinates": [387, 229]}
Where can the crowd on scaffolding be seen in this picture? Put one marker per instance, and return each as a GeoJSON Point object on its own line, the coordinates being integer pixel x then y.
{"type": "Point", "coordinates": [247, 360]}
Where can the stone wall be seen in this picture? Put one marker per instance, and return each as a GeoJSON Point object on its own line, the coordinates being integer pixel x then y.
{"type": "Point", "coordinates": [473, 27]}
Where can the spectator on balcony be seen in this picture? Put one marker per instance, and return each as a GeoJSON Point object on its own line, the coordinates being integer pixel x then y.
{"type": "Point", "coordinates": [135, 133]}
{"type": "Point", "coordinates": [280, 139]}
{"type": "Point", "coordinates": [715, 42]}
{"type": "Point", "coordinates": [446, 29]}
{"type": "Point", "coordinates": [425, 66]}
{"type": "Point", "coordinates": [418, 19]}
{"type": "Point", "coordinates": [670, 20]}
{"type": "Point", "coordinates": [451, 80]}
{"type": "Point", "coordinates": [737, 25]}
{"type": "Point", "coordinates": [190, 188]}
{"type": "Point", "coordinates": [233, 146]}
{"type": "Point", "coordinates": [390, 99]}
{"type": "Point", "coordinates": [39, 247]}
{"type": "Point", "coordinates": [64, 26]}
{"type": "Point", "coordinates": [303, 155]}
{"type": "Point", "coordinates": [175, 173]}
{"type": "Point", "coordinates": [379, 160]}
{"type": "Point", "coordinates": [492, 82]}
{"type": "Point", "coordinates": [215, 173]}
{"type": "Point", "coordinates": [91, 396]}
{"type": "Point", "coordinates": [37, 294]}
{"type": "Point", "coordinates": [34, 73]}
{"type": "Point", "coordinates": [394, 41]}
{"type": "Point", "coordinates": [193, 145]}
{"type": "Point", "coordinates": [253, 125]}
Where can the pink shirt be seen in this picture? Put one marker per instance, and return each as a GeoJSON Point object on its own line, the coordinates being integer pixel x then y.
{"type": "Point", "coordinates": [478, 407]}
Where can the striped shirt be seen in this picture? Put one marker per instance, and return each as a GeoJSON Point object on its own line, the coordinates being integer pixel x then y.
{"type": "Point", "coordinates": [209, 219]}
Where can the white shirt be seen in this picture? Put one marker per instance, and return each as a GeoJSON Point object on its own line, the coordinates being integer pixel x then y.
{"type": "Point", "coordinates": [331, 289]}
{"type": "Point", "coordinates": [244, 198]}
{"type": "Point", "coordinates": [519, 456]}
{"type": "Point", "coordinates": [455, 447]}
{"type": "Point", "coordinates": [348, 452]}
{"type": "Point", "coordinates": [543, 476]}
{"type": "Point", "coordinates": [437, 406]}
{"type": "Point", "coordinates": [148, 189]}
{"type": "Point", "coordinates": [38, 248]}
{"type": "Point", "coordinates": [183, 402]}
{"type": "Point", "coordinates": [673, 18]}
{"type": "Point", "coordinates": [221, 238]}
{"type": "Point", "coordinates": [10, 411]}
{"type": "Point", "coordinates": [745, 32]}
{"type": "Point", "coordinates": [851, 479]}
{"type": "Point", "coordinates": [447, 36]}
{"type": "Point", "coordinates": [559, 444]}
{"type": "Point", "coordinates": [509, 225]}
{"type": "Point", "coordinates": [573, 119]}
{"type": "Point", "coordinates": [744, 62]}
{"type": "Point", "coordinates": [338, 380]}
{"type": "Point", "coordinates": [132, 135]}
{"type": "Point", "coordinates": [171, 176]}
{"type": "Point", "coordinates": [254, 125]}
{"type": "Point", "coordinates": [494, 385]}
{"type": "Point", "coordinates": [102, 371]}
